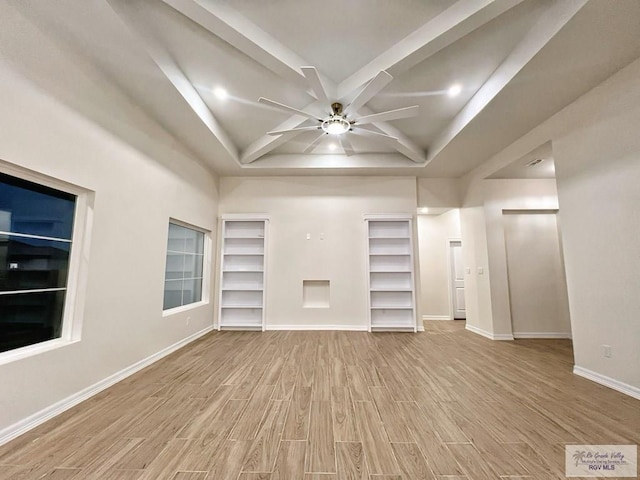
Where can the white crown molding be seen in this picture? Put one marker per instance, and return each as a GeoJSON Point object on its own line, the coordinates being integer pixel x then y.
{"type": "Point", "coordinates": [489, 335]}
{"type": "Point", "coordinates": [12, 431]}
{"type": "Point", "coordinates": [607, 381]}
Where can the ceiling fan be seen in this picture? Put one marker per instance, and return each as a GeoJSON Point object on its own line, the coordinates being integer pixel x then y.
{"type": "Point", "coordinates": [342, 120]}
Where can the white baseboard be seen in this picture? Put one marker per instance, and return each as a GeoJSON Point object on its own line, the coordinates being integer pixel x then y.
{"type": "Point", "coordinates": [435, 317]}
{"type": "Point", "coordinates": [32, 421]}
{"type": "Point", "coordinates": [489, 335]}
{"type": "Point", "coordinates": [607, 381]}
{"type": "Point", "coordinates": [421, 328]}
{"type": "Point", "coordinates": [541, 335]}
{"type": "Point", "coordinates": [352, 328]}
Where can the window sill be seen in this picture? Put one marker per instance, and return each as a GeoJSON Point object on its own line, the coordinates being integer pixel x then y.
{"type": "Point", "coordinates": [183, 308]}
{"type": "Point", "coordinates": [33, 350]}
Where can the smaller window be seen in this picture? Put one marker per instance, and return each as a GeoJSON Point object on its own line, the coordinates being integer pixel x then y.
{"type": "Point", "coordinates": [184, 267]}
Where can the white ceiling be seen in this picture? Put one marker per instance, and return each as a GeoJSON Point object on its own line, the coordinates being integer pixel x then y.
{"type": "Point", "coordinates": [518, 62]}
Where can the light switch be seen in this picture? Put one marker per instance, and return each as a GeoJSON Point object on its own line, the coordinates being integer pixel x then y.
{"type": "Point", "coordinates": [468, 270]}
{"type": "Point", "coordinates": [480, 271]}
{"type": "Point", "coordinates": [308, 236]}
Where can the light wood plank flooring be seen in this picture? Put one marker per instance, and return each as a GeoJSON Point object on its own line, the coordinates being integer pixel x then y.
{"type": "Point", "coordinates": [445, 404]}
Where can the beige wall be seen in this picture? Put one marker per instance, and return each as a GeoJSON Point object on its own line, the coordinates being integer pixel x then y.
{"type": "Point", "coordinates": [598, 171]}
{"type": "Point", "coordinates": [537, 284]}
{"type": "Point", "coordinates": [135, 195]}
{"type": "Point", "coordinates": [596, 149]}
{"type": "Point", "coordinates": [484, 249]}
{"type": "Point", "coordinates": [477, 289]}
{"type": "Point", "coordinates": [329, 206]}
{"type": "Point", "coordinates": [434, 233]}
{"type": "Point", "coordinates": [439, 192]}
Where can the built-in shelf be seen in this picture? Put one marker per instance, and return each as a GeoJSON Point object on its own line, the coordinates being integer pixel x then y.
{"type": "Point", "coordinates": [391, 307]}
{"type": "Point", "coordinates": [390, 289]}
{"type": "Point", "coordinates": [391, 273]}
{"type": "Point", "coordinates": [242, 276]}
{"type": "Point", "coordinates": [242, 306]}
{"type": "Point", "coordinates": [241, 269]}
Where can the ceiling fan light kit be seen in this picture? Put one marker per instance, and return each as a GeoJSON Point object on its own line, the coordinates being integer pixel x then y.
{"type": "Point", "coordinates": [336, 123]}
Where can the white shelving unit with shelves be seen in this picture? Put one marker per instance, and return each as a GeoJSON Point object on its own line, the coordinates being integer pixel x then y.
{"type": "Point", "coordinates": [391, 273]}
{"type": "Point", "coordinates": [241, 300]}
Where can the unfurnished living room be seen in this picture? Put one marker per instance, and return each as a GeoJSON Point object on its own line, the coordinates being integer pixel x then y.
{"type": "Point", "coordinates": [304, 240]}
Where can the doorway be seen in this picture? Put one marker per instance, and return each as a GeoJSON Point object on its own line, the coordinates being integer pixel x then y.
{"type": "Point", "coordinates": [456, 269]}
{"type": "Point", "coordinates": [535, 268]}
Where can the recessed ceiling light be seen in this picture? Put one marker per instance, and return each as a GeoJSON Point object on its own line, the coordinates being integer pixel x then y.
{"type": "Point", "coordinates": [332, 146]}
{"type": "Point", "coordinates": [221, 93]}
{"type": "Point", "coordinates": [454, 90]}
{"type": "Point", "coordinates": [423, 210]}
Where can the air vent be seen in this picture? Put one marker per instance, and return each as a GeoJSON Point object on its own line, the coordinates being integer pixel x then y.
{"type": "Point", "coordinates": [535, 161]}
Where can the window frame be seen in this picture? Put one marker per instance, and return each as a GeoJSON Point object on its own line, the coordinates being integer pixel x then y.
{"type": "Point", "coordinates": [76, 288]}
{"type": "Point", "coordinates": [206, 268]}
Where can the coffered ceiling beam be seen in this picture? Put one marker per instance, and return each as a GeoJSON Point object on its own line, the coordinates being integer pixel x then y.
{"type": "Point", "coordinates": [557, 15]}
{"type": "Point", "coordinates": [244, 35]}
{"type": "Point", "coordinates": [129, 16]}
{"type": "Point", "coordinates": [228, 25]}
{"type": "Point", "coordinates": [462, 17]}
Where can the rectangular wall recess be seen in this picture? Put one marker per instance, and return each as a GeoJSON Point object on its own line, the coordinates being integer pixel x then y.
{"type": "Point", "coordinates": [315, 293]}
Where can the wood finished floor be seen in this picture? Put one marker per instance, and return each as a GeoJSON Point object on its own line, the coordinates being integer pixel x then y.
{"type": "Point", "coordinates": [444, 404]}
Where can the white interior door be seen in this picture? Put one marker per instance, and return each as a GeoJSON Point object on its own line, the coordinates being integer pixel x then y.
{"type": "Point", "coordinates": [457, 280]}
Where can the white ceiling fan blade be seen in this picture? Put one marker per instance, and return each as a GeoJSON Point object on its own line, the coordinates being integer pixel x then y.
{"type": "Point", "coordinates": [389, 115]}
{"type": "Point", "coordinates": [373, 87]}
{"type": "Point", "coordinates": [315, 143]}
{"type": "Point", "coordinates": [286, 108]}
{"type": "Point", "coordinates": [376, 135]}
{"type": "Point", "coordinates": [313, 78]}
{"type": "Point", "coordinates": [292, 130]}
{"type": "Point", "coordinates": [346, 145]}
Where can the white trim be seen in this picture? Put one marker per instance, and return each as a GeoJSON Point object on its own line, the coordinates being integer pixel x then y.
{"type": "Point", "coordinates": [36, 290]}
{"type": "Point", "coordinates": [184, 308]}
{"type": "Point", "coordinates": [34, 349]}
{"type": "Point", "coordinates": [206, 267]}
{"type": "Point", "coordinates": [245, 216]}
{"type": "Point", "coordinates": [224, 220]}
{"type": "Point", "coordinates": [78, 263]}
{"type": "Point", "coordinates": [489, 335]}
{"type": "Point", "coordinates": [541, 335]}
{"type": "Point", "coordinates": [426, 318]}
{"type": "Point", "coordinates": [37, 237]}
{"type": "Point", "coordinates": [388, 216]}
{"type": "Point", "coordinates": [351, 328]}
{"type": "Point", "coordinates": [607, 381]}
{"type": "Point", "coordinates": [450, 279]}
{"type": "Point", "coordinates": [12, 431]}
{"type": "Point", "coordinates": [420, 328]}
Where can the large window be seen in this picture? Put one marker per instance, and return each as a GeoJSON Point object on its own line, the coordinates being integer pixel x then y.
{"type": "Point", "coordinates": [184, 270]}
{"type": "Point", "coordinates": [36, 226]}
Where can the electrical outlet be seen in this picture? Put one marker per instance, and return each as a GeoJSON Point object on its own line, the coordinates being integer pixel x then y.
{"type": "Point", "coordinates": [606, 351]}
{"type": "Point", "coordinates": [188, 320]}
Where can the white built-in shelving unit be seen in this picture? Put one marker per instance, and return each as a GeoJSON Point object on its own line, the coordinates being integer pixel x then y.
{"type": "Point", "coordinates": [242, 272]}
{"type": "Point", "coordinates": [391, 273]}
